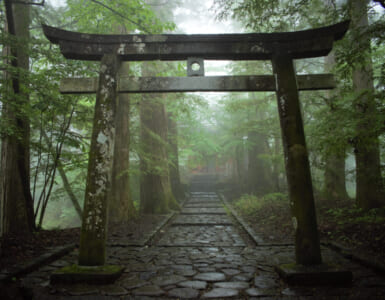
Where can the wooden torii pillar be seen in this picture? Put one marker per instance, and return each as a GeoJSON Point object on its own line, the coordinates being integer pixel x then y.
{"type": "Point", "coordinates": [280, 48]}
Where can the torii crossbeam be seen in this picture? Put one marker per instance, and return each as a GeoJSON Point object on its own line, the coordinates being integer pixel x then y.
{"type": "Point", "coordinates": [254, 46]}
{"type": "Point", "coordinates": [281, 48]}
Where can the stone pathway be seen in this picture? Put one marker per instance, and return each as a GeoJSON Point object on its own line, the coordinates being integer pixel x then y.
{"type": "Point", "coordinates": [202, 253]}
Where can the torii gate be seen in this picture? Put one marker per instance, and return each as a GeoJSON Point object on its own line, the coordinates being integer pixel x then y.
{"type": "Point", "coordinates": [280, 48]}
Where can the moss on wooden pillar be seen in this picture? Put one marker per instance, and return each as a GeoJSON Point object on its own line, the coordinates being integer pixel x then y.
{"type": "Point", "coordinates": [94, 225]}
{"type": "Point", "coordinates": [307, 244]}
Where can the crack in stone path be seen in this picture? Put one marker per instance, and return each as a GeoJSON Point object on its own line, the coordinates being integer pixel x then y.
{"type": "Point", "coordinates": [201, 254]}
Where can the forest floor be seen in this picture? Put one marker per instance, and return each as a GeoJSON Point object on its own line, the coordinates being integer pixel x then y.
{"type": "Point", "coordinates": [364, 233]}
{"type": "Point", "coordinates": [22, 248]}
{"type": "Point", "coordinates": [341, 223]}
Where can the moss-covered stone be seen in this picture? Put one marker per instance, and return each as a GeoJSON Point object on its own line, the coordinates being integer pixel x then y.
{"type": "Point", "coordinates": [92, 250]}
{"type": "Point", "coordinates": [84, 274]}
{"type": "Point", "coordinates": [307, 244]}
{"type": "Point", "coordinates": [84, 269]}
{"type": "Point", "coordinates": [172, 203]}
{"type": "Point", "coordinates": [322, 274]}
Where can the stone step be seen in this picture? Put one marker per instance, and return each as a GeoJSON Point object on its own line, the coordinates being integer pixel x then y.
{"type": "Point", "coordinates": [202, 220]}
{"type": "Point", "coordinates": [203, 205]}
{"type": "Point", "coordinates": [202, 201]}
{"type": "Point", "coordinates": [208, 210]}
{"type": "Point", "coordinates": [203, 193]}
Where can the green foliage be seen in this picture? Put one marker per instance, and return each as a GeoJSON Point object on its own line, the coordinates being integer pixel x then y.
{"type": "Point", "coordinates": [250, 205]}
{"type": "Point", "coordinates": [357, 215]}
{"type": "Point", "coordinates": [196, 137]}
{"type": "Point", "coordinates": [52, 108]}
{"type": "Point", "coordinates": [268, 16]}
{"type": "Point", "coordinates": [61, 125]}
{"type": "Point", "coordinates": [104, 16]}
{"type": "Point", "coordinates": [331, 119]}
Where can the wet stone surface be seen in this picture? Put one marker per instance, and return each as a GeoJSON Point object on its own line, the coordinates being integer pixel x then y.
{"type": "Point", "coordinates": [221, 293]}
{"type": "Point", "coordinates": [200, 210]}
{"type": "Point", "coordinates": [184, 293]}
{"type": "Point", "coordinates": [204, 261]}
{"type": "Point", "coordinates": [202, 220]}
{"type": "Point", "coordinates": [203, 199]}
{"type": "Point", "coordinates": [218, 235]}
{"type": "Point", "coordinates": [211, 204]}
{"type": "Point", "coordinates": [210, 277]}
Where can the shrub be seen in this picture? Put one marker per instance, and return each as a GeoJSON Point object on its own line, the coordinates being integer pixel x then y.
{"type": "Point", "coordinates": [249, 205]}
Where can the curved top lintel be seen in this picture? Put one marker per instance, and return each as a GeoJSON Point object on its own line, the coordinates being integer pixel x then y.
{"type": "Point", "coordinates": [305, 43]}
{"type": "Point", "coordinates": [56, 35]}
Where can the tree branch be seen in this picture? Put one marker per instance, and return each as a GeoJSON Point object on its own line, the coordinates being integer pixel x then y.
{"type": "Point", "coordinates": [120, 15]}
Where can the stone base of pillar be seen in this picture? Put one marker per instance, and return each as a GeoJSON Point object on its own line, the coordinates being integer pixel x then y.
{"type": "Point", "coordinates": [83, 274]}
{"type": "Point", "coordinates": [324, 274]}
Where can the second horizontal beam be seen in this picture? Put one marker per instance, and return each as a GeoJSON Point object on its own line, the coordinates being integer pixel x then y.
{"type": "Point", "coordinates": [258, 83]}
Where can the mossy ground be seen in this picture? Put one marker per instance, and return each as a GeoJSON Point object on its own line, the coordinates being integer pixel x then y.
{"type": "Point", "coordinates": [341, 222]}
{"type": "Point", "coordinates": [89, 275]}
{"type": "Point", "coordinates": [76, 269]}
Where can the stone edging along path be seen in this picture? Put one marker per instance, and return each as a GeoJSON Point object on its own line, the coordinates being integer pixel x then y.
{"type": "Point", "coordinates": [34, 264]}
{"type": "Point", "coordinates": [199, 252]}
{"type": "Point", "coordinates": [51, 255]}
{"type": "Point", "coordinates": [348, 253]}
{"type": "Point", "coordinates": [58, 252]}
{"type": "Point", "coordinates": [363, 259]}
{"type": "Point", "coordinates": [242, 223]}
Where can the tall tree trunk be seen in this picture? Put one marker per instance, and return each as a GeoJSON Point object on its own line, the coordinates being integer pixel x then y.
{"type": "Point", "coordinates": [121, 206]}
{"type": "Point", "coordinates": [275, 173]}
{"type": "Point", "coordinates": [155, 188]}
{"type": "Point", "coordinates": [15, 196]}
{"type": "Point", "coordinates": [259, 174]}
{"type": "Point", "coordinates": [369, 184]}
{"type": "Point", "coordinates": [334, 175]}
{"type": "Point", "coordinates": [173, 157]}
{"type": "Point", "coordinates": [240, 173]}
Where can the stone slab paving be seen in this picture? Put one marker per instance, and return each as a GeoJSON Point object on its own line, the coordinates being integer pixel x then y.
{"type": "Point", "coordinates": [203, 271]}
{"type": "Point", "coordinates": [203, 204]}
{"type": "Point", "coordinates": [159, 272]}
{"type": "Point", "coordinates": [201, 210]}
{"type": "Point", "coordinates": [202, 220]}
{"type": "Point", "coordinates": [217, 235]}
{"type": "Point", "coordinates": [211, 226]}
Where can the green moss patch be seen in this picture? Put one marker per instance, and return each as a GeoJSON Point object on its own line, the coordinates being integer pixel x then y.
{"type": "Point", "coordinates": [85, 274]}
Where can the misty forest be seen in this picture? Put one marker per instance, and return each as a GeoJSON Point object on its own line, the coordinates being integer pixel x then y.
{"type": "Point", "coordinates": [192, 149]}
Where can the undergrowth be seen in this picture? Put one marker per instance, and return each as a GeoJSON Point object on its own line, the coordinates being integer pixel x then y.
{"type": "Point", "coordinates": [249, 205]}
{"type": "Point", "coordinates": [339, 221]}
{"type": "Point", "coordinates": [355, 215]}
